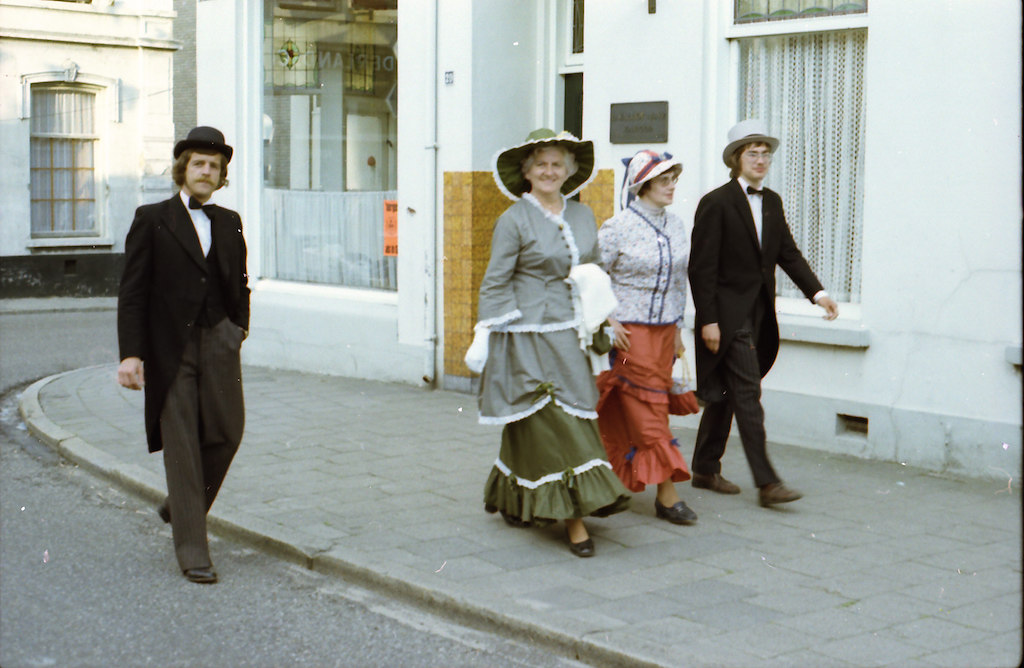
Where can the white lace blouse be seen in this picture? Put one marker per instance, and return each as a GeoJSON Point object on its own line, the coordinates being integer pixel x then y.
{"type": "Point", "coordinates": [646, 250]}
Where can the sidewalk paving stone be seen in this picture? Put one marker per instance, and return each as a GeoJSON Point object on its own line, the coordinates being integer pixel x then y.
{"type": "Point", "coordinates": [879, 564]}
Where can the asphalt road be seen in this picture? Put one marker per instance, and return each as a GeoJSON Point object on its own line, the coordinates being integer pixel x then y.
{"type": "Point", "coordinates": [88, 578]}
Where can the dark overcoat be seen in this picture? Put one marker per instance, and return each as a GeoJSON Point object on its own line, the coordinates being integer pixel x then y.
{"type": "Point", "coordinates": [163, 288]}
{"type": "Point", "coordinates": [729, 271]}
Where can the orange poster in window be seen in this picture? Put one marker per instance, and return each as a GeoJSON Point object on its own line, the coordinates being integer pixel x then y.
{"type": "Point", "coordinates": [390, 228]}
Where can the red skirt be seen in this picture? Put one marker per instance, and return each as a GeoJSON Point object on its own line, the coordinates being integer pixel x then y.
{"type": "Point", "coordinates": [632, 412]}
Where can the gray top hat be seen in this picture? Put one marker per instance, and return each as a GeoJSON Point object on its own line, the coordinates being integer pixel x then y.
{"type": "Point", "coordinates": [749, 131]}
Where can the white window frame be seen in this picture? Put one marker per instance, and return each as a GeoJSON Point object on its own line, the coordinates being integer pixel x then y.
{"type": "Point", "coordinates": [107, 111]}
{"type": "Point", "coordinates": [569, 62]}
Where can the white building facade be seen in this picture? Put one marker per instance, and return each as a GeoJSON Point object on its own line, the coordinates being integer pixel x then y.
{"type": "Point", "coordinates": [86, 136]}
{"type": "Point", "coordinates": [364, 132]}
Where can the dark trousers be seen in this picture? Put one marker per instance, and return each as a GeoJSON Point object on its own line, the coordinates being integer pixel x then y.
{"type": "Point", "coordinates": [201, 425]}
{"type": "Point", "coordinates": [740, 374]}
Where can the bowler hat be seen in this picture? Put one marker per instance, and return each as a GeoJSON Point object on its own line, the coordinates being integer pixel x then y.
{"type": "Point", "coordinates": [508, 163]}
{"type": "Point", "coordinates": [750, 131]}
{"type": "Point", "coordinates": [204, 138]}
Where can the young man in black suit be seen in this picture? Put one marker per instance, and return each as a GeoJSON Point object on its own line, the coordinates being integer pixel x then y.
{"type": "Point", "coordinates": [740, 234]}
{"type": "Point", "coordinates": [182, 314]}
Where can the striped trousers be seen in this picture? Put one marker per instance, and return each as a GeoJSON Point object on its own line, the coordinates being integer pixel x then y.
{"type": "Point", "coordinates": [201, 425]}
{"type": "Point", "coordinates": [740, 374]}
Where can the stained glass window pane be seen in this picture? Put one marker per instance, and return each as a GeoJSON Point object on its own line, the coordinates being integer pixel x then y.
{"type": "Point", "coordinates": [330, 141]}
{"type": "Point", "coordinates": [750, 11]}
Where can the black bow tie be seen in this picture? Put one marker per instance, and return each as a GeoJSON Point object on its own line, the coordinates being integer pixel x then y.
{"type": "Point", "coordinates": [193, 203]}
{"type": "Point", "coordinates": [751, 190]}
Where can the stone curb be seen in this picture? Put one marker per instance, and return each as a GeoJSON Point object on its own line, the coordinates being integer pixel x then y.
{"type": "Point", "coordinates": [232, 522]}
{"type": "Point", "coordinates": [16, 306]}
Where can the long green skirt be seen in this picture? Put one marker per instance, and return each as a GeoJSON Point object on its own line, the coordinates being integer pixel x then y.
{"type": "Point", "coordinates": [552, 466]}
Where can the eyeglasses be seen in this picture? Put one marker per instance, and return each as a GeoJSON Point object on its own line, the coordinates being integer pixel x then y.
{"type": "Point", "coordinates": [758, 155]}
{"type": "Point", "coordinates": [665, 179]}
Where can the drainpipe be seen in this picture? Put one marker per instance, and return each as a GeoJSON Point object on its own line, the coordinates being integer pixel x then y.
{"type": "Point", "coordinates": [435, 293]}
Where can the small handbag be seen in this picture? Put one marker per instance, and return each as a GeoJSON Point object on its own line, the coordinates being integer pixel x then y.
{"type": "Point", "coordinates": [681, 398]}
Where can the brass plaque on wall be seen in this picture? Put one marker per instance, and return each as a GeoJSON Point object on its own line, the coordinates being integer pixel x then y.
{"type": "Point", "coordinates": [639, 123]}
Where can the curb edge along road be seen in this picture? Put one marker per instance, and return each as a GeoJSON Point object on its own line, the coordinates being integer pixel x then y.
{"type": "Point", "coordinates": [20, 305]}
{"type": "Point", "coordinates": [228, 522]}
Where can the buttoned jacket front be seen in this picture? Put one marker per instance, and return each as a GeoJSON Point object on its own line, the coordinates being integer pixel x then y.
{"type": "Point", "coordinates": [645, 252]}
{"type": "Point", "coordinates": [532, 251]}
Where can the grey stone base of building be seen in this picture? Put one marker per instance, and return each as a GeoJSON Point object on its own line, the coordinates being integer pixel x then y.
{"type": "Point", "coordinates": [60, 275]}
{"type": "Point", "coordinates": [945, 444]}
{"type": "Point", "coordinates": [462, 384]}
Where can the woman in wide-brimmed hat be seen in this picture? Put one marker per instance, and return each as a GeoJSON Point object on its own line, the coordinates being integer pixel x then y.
{"type": "Point", "coordinates": [536, 379]}
{"type": "Point", "coordinates": [645, 250]}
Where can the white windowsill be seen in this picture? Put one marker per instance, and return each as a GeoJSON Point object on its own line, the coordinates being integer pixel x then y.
{"type": "Point", "coordinates": [842, 332]}
{"type": "Point", "coordinates": [336, 292]}
{"type": "Point", "coordinates": [69, 243]}
{"type": "Point", "coordinates": [800, 321]}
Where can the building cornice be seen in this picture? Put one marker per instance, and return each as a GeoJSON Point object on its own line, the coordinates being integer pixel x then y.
{"type": "Point", "coordinates": [92, 40]}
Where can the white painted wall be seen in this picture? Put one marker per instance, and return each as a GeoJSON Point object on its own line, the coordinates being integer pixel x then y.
{"type": "Point", "coordinates": [942, 273]}
{"type": "Point", "coordinates": [506, 48]}
{"type": "Point", "coordinates": [126, 49]}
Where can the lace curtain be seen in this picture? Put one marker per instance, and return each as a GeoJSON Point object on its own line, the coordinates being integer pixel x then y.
{"type": "Point", "coordinates": [63, 189]}
{"type": "Point", "coordinates": [809, 89]}
{"type": "Point", "coordinates": [333, 238]}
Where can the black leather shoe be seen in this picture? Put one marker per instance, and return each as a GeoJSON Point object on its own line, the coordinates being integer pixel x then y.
{"type": "Point", "coordinates": [583, 548]}
{"type": "Point", "coordinates": [513, 521]}
{"type": "Point", "coordinates": [201, 575]}
{"type": "Point", "coordinates": [678, 513]}
{"type": "Point", "coordinates": [164, 512]}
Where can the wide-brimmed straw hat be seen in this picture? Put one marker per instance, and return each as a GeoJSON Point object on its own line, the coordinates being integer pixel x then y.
{"type": "Point", "coordinates": [204, 138]}
{"type": "Point", "coordinates": [641, 168]}
{"type": "Point", "coordinates": [750, 131]}
{"type": "Point", "coordinates": [508, 162]}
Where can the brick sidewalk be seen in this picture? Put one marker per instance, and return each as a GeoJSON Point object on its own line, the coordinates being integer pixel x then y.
{"type": "Point", "coordinates": [878, 565]}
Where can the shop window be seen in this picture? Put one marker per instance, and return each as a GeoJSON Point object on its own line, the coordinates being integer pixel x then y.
{"type": "Point", "coordinates": [62, 160]}
{"type": "Point", "coordinates": [809, 89]}
{"type": "Point", "coordinates": [750, 11]}
{"type": "Point", "coordinates": [330, 142]}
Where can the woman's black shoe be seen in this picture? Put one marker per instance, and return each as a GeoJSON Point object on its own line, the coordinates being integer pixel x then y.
{"type": "Point", "coordinates": [514, 521]}
{"type": "Point", "coordinates": [584, 548]}
{"type": "Point", "coordinates": [679, 513]}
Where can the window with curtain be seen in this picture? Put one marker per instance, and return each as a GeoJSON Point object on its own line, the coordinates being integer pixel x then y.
{"type": "Point", "coordinates": [330, 142]}
{"type": "Point", "coordinates": [809, 90]}
{"type": "Point", "coordinates": [62, 161]}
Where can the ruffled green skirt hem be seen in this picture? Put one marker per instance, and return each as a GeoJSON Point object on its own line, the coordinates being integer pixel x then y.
{"type": "Point", "coordinates": [552, 466]}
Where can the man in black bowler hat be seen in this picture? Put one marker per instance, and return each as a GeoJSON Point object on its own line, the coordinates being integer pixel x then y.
{"type": "Point", "coordinates": [740, 235]}
{"type": "Point", "coordinates": [182, 314]}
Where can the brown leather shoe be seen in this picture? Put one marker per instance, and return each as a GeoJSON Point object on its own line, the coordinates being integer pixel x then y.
{"type": "Point", "coordinates": [776, 492]}
{"type": "Point", "coordinates": [715, 482]}
{"type": "Point", "coordinates": [201, 575]}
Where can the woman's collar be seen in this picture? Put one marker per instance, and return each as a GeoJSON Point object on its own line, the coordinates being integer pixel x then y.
{"type": "Point", "coordinates": [532, 199]}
